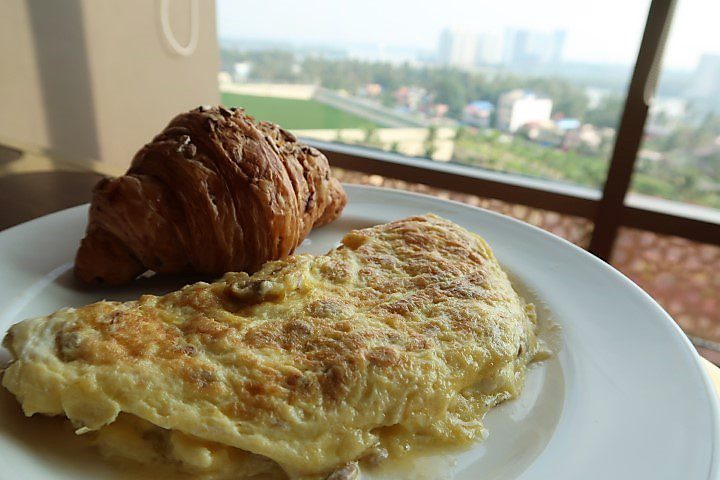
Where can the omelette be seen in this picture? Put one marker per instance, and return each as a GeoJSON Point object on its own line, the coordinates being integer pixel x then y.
{"type": "Point", "coordinates": [399, 339]}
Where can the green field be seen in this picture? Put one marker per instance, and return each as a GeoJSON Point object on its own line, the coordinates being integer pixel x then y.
{"type": "Point", "coordinates": [295, 114]}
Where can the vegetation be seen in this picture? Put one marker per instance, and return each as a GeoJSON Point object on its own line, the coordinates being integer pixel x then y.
{"type": "Point", "coordinates": [447, 85]}
{"type": "Point", "coordinates": [295, 114]}
{"type": "Point", "coordinates": [684, 165]}
{"type": "Point", "coordinates": [489, 149]}
{"type": "Point", "coordinates": [607, 113]}
{"type": "Point", "coordinates": [689, 167]}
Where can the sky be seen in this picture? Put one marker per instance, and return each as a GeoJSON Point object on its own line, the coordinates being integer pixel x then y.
{"type": "Point", "coordinates": [606, 31]}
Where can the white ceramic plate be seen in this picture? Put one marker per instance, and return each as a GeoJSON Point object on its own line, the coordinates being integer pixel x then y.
{"type": "Point", "coordinates": [626, 397]}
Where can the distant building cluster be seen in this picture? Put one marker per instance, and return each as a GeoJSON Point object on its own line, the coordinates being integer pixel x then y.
{"type": "Point", "coordinates": [410, 98]}
{"type": "Point", "coordinates": [478, 114]}
{"type": "Point", "coordinates": [521, 112]}
{"type": "Point", "coordinates": [466, 49]}
{"type": "Point", "coordinates": [519, 107]}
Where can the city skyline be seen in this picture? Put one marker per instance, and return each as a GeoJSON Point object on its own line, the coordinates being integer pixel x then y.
{"type": "Point", "coordinates": [586, 23]}
{"type": "Point", "coordinates": [519, 47]}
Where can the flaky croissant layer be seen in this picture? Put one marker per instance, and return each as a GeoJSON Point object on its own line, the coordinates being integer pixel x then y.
{"type": "Point", "coordinates": [213, 192]}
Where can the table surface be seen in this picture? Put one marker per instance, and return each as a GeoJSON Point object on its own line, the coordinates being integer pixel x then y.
{"type": "Point", "coordinates": [33, 184]}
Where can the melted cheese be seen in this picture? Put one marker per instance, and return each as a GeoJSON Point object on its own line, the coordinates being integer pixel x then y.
{"type": "Point", "coordinates": [131, 438]}
{"type": "Point", "coordinates": [404, 336]}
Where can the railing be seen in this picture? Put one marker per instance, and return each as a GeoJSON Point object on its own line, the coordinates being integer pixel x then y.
{"type": "Point", "coordinates": [567, 199]}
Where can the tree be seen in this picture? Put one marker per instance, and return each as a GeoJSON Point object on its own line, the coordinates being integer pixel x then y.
{"type": "Point", "coordinates": [568, 99]}
{"type": "Point", "coordinates": [371, 136]}
{"type": "Point", "coordinates": [451, 92]}
{"type": "Point", "coordinates": [430, 141]}
{"type": "Point", "coordinates": [607, 112]}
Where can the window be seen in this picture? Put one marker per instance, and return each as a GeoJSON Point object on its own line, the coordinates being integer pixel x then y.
{"type": "Point", "coordinates": [530, 88]}
{"type": "Point", "coordinates": [680, 156]}
{"type": "Point", "coordinates": [534, 88]}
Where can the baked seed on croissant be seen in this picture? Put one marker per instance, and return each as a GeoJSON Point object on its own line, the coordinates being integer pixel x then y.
{"type": "Point", "coordinates": [213, 192]}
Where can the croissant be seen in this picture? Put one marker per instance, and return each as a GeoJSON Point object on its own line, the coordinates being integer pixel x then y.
{"type": "Point", "coordinates": [214, 192]}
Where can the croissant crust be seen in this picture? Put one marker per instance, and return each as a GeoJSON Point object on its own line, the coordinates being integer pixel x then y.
{"type": "Point", "coordinates": [214, 192]}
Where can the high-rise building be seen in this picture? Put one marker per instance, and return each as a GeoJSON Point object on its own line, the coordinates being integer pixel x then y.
{"type": "Point", "coordinates": [706, 80]}
{"type": "Point", "coordinates": [532, 47]}
{"type": "Point", "coordinates": [462, 48]}
{"type": "Point", "coordinates": [557, 45]}
{"type": "Point", "coordinates": [457, 48]}
{"type": "Point", "coordinates": [488, 49]}
{"type": "Point", "coordinates": [445, 45]}
{"type": "Point", "coordinates": [519, 107]}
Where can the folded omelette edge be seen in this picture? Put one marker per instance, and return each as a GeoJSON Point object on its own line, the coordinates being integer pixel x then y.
{"type": "Point", "coordinates": [404, 336]}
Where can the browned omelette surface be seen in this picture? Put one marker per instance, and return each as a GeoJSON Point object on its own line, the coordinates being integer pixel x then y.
{"type": "Point", "coordinates": [405, 335]}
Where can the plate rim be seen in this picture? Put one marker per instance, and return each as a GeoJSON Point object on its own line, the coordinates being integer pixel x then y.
{"type": "Point", "coordinates": [710, 396]}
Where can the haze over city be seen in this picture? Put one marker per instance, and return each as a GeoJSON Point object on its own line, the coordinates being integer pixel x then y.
{"type": "Point", "coordinates": [604, 33]}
